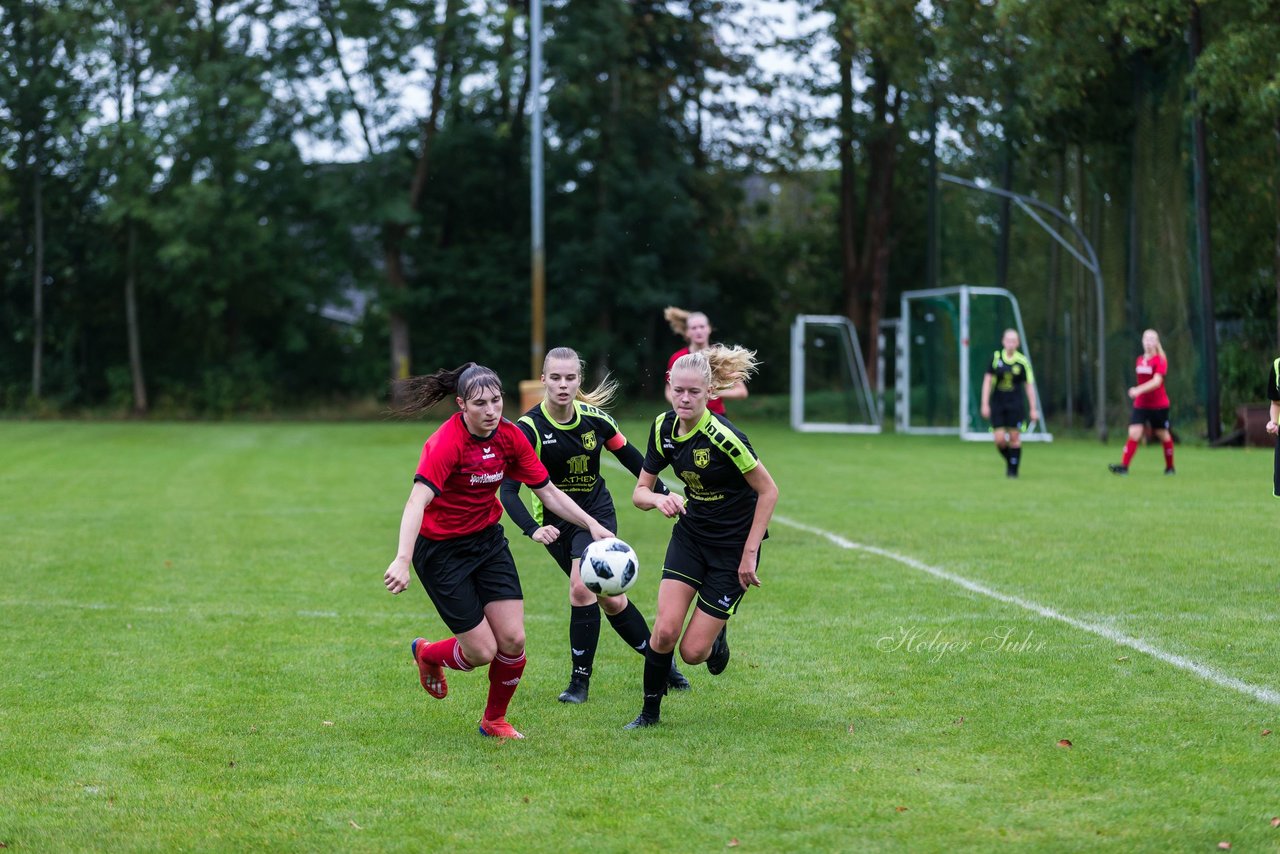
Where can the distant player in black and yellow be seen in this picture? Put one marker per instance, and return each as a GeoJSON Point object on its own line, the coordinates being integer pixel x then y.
{"type": "Point", "coordinates": [1273, 421]}
{"type": "Point", "coordinates": [568, 430]}
{"type": "Point", "coordinates": [714, 553]}
{"type": "Point", "coordinates": [1008, 380]}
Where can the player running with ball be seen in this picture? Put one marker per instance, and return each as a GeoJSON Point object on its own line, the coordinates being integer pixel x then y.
{"type": "Point", "coordinates": [714, 553]}
{"type": "Point", "coordinates": [450, 533]}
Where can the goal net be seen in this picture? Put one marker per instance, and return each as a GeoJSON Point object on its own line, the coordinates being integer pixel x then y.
{"type": "Point", "coordinates": [946, 337]}
{"type": "Point", "coordinates": [829, 388]}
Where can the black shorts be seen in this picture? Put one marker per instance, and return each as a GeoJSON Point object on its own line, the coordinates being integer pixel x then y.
{"type": "Point", "coordinates": [1156, 419]}
{"type": "Point", "coordinates": [573, 541]}
{"type": "Point", "coordinates": [712, 570]}
{"type": "Point", "coordinates": [1009, 414]}
{"type": "Point", "coordinates": [464, 574]}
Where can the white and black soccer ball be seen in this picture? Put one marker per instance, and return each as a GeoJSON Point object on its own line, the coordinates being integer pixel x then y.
{"type": "Point", "coordinates": [609, 567]}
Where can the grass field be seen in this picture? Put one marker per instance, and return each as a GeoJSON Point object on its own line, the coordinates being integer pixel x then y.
{"type": "Point", "coordinates": [199, 655]}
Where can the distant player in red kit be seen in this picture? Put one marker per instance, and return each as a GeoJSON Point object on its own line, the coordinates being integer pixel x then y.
{"type": "Point", "coordinates": [450, 534]}
{"type": "Point", "coordinates": [1150, 404]}
{"type": "Point", "coordinates": [1273, 422]}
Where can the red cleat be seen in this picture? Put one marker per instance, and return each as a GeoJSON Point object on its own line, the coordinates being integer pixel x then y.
{"type": "Point", "coordinates": [498, 729]}
{"type": "Point", "coordinates": [431, 675]}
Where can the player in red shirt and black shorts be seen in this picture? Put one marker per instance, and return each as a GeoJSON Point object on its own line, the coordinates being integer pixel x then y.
{"type": "Point", "coordinates": [450, 533]}
{"type": "Point", "coordinates": [1150, 404]}
{"type": "Point", "coordinates": [695, 328]}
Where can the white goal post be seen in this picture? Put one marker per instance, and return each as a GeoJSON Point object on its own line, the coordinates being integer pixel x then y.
{"type": "Point", "coordinates": [946, 337]}
{"type": "Point", "coordinates": [829, 388]}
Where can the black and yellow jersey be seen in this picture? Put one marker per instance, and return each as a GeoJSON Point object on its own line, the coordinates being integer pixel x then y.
{"type": "Point", "coordinates": [712, 460]}
{"type": "Point", "coordinates": [1009, 374]}
{"type": "Point", "coordinates": [571, 453]}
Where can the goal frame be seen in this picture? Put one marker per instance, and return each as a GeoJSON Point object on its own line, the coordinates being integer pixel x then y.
{"type": "Point", "coordinates": [857, 370]}
{"type": "Point", "coordinates": [1035, 431]}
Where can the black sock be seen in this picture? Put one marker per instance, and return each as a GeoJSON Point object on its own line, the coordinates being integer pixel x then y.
{"type": "Point", "coordinates": [1015, 457]}
{"type": "Point", "coordinates": [1004, 451]}
{"type": "Point", "coordinates": [584, 635]}
{"type": "Point", "coordinates": [630, 625]}
{"type": "Point", "coordinates": [656, 667]}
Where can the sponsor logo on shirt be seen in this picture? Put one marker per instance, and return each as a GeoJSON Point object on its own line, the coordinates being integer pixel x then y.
{"type": "Point", "coordinates": [496, 477]}
{"type": "Point", "coordinates": [488, 453]}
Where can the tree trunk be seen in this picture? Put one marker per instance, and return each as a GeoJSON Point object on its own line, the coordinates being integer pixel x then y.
{"type": "Point", "coordinates": [873, 267]}
{"type": "Point", "coordinates": [37, 281]}
{"type": "Point", "coordinates": [393, 233]}
{"type": "Point", "coordinates": [852, 297]}
{"type": "Point", "coordinates": [131, 322]}
{"type": "Point", "coordinates": [1204, 236]}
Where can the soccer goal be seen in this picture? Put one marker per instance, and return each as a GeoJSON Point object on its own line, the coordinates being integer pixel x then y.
{"type": "Point", "coordinates": [829, 388]}
{"type": "Point", "coordinates": [945, 340]}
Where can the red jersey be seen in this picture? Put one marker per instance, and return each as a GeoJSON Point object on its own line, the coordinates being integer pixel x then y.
{"type": "Point", "coordinates": [1147, 369]}
{"type": "Point", "coordinates": [715, 404]}
{"type": "Point", "coordinates": [465, 471]}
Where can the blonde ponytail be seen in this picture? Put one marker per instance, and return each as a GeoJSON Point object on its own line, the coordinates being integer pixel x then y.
{"type": "Point", "coordinates": [721, 367]}
{"type": "Point", "coordinates": [677, 319]}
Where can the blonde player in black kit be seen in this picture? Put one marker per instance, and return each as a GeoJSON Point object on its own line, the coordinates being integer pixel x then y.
{"type": "Point", "coordinates": [714, 553]}
{"type": "Point", "coordinates": [568, 430]}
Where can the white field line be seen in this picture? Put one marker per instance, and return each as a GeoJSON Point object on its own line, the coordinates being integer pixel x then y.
{"type": "Point", "coordinates": [1204, 671]}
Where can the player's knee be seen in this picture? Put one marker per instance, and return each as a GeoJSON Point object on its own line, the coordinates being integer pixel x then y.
{"type": "Point", "coordinates": [664, 637]}
{"type": "Point", "coordinates": [510, 642]}
{"type": "Point", "coordinates": [580, 595]}
{"type": "Point", "coordinates": [693, 653]}
{"type": "Point", "coordinates": [479, 652]}
{"type": "Point", "coordinates": [613, 604]}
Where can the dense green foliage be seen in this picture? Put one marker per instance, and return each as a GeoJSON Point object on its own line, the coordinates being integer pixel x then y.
{"type": "Point", "coordinates": [210, 208]}
{"type": "Point", "coordinates": [203, 658]}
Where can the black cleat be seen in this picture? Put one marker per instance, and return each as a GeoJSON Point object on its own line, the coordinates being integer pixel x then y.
{"type": "Point", "coordinates": [1117, 468]}
{"type": "Point", "coordinates": [642, 720]}
{"type": "Point", "coordinates": [576, 692]}
{"type": "Point", "coordinates": [1011, 474]}
{"type": "Point", "coordinates": [1170, 470]}
{"type": "Point", "coordinates": [676, 680]}
{"type": "Point", "coordinates": [718, 660]}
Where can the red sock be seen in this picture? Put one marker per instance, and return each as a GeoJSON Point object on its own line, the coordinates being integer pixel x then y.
{"type": "Point", "coordinates": [1168, 453]}
{"type": "Point", "coordinates": [504, 677]}
{"type": "Point", "coordinates": [447, 653]}
{"type": "Point", "coordinates": [1130, 448]}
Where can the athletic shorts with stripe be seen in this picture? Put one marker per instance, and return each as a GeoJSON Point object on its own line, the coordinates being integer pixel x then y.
{"type": "Point", "coordinates": [464, 574]}
{"type": "Point", "coordinates": [1008, 415]}
{"type": "Point", "coordinates": [711, 570]}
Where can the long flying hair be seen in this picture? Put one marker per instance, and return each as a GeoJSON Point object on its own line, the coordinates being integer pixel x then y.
{"type": "Point", "coordinates": [719, 365]}
{"type": "Point", "coordinates": [600, 396]}
{"type": "Point", "coordinates": [423, 392]}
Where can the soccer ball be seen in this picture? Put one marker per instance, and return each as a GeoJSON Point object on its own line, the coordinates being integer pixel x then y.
{"type": "Point", "coordinates": [609, 567]}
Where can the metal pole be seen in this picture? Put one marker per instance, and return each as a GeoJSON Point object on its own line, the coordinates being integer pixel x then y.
{"type": "Point", "coordinates": [1090, 263]}
{"type": "Point", "coordinates": [538, 242]}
